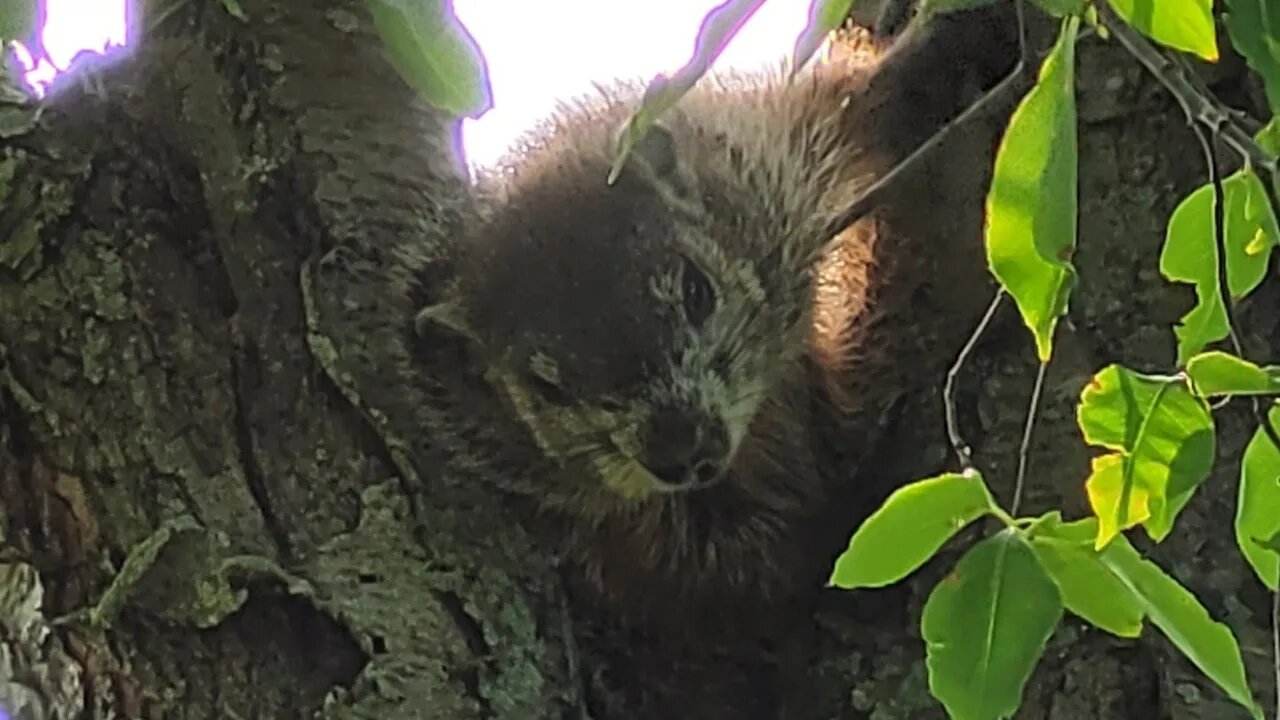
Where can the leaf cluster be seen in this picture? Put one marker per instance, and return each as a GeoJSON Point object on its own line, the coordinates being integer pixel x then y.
{"type": "Point", "coordinates": [987, 623]}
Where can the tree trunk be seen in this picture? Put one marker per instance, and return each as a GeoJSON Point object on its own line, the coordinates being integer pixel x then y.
{"type": "Point", "coordinates": [213, 502]}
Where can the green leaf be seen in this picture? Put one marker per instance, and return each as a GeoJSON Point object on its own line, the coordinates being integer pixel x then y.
{"type": "Point", "coordinates": [1179, 24]}
{"type": "Point", "coordinates": [1219, 373]}
{"type": "Point", "coordinates": [1173, 609]}
{"type": "Point", "coordinates": [1119, 498]}
{"type": "Point", "coordinates": [234, 10]}
{"type": "Point", "coordinates": [718, 28]}
{"type": "Point", "coordinates": [1190, 254]}
{"type": "Point", "coordinates": [1165, 438]}
{"type": "Point", "coordinates": [1089, 589]}
{"type": "Point", "coordinates": [915, 521]}
{"type": "Point", "coordinates": [1254, 26]}
{"type": "Point", "coordinates": [1031, 207]}
{"type": "Point", "coordinates": [985, 626]}
{"type": "Point", "coordinates": [434, 53]}
{"type": "Point", "coordinates": [1268, 137]}
{"type": "Point", "coordinates": [1258, 505]}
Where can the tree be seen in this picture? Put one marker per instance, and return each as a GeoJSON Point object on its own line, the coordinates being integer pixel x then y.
{"type": "Point", "coordinates": [214, 502]}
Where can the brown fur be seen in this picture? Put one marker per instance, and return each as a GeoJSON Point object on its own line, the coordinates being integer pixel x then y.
{"type": "Point", "coordinates": [560, 272]}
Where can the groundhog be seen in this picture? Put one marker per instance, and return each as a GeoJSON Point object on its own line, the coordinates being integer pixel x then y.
{"type": "Point", "coordinates": [687, 369]}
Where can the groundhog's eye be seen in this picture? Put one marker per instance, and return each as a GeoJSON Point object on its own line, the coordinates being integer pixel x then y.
{"type": "Point", "coordinates": [698, 295]}
{"type": "Point", "coordinates": [722, 366]}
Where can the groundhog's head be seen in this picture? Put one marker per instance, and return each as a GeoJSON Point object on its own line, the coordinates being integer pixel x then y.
{"type": "Point", "coordinates": [624, 326]}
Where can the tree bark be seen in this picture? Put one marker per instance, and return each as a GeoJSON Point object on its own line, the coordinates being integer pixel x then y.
{"type": "Point", "coordinates": [213, 502]}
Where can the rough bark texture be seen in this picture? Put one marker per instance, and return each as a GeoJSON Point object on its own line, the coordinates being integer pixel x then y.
{"type": "Point", "coordinates": [212, 503]}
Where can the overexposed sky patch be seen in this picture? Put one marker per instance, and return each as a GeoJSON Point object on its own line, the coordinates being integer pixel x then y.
{"type": "Point", "coordinates": [541, 51]}
{"type": "Point", "coordinates": [538, 51]}
{"type": "Point", "coordinates": [75, 25]}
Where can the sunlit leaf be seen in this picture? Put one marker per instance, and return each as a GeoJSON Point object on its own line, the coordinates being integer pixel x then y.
{"type": "Point", "coordinates": [1173, 609]}
{"type": "Point", "coordinates": [1089, 589]}
{"type": "Point", "coordinates": [1118, 500]}
{"type": "Point", "coordinates": [915, 521]}
{"type": "Point", "coordinates": [1268, 137]}
{"type": "Point", "coordinates": [1258, 505]}
{"type": "Point", "coordinates": [985, 626]}
{"type": "Point", "coordinates": [1180, 24]}
{"type": "Point", "coordinates": [234, 10]}
{"type": "Point", "coordinates": [1272, 543]}
{"type": "Point", "coordinates": [1219, 373]}
{"type": "Point", "coordinates": [1031, 207]}
{"type": "Point", "coordinates": [1164, 436]}
{"type": "Point", "coordinates": [1254, 26]}
{"type": "Point", "coordinates": [719, 26]}
{"type": "Point", "coordinates": [1190, 254]}
{"type": "Point", "coordinates": [434, 53]}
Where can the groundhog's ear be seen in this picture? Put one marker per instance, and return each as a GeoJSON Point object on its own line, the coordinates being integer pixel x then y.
{"type": "Point", "coordinates": [657, 150]}
{"type": "Point", "coordinates": [655, 161]}
{"type": "Point", "coordinates": [446, 316]}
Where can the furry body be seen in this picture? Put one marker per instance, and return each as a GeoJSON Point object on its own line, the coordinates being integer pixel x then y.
{"type": "Point", "coordinates": [681, 368]}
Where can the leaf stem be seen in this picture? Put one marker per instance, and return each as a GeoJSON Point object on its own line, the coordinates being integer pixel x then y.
{"type": "Point", "coordinates": [958, 444]}
{"type": "Point", "coordinates": [1198, 107]}
{"type": "Point", "coordinates": [1024, 451]}
{"type": "Point", "coordinates": [1012, 523]}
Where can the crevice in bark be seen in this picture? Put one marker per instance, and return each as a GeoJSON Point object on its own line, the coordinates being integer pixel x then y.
{"type": "Point", "coordinates": [473, 634]}
{"type": "Point", "coordinates": [245, 380]}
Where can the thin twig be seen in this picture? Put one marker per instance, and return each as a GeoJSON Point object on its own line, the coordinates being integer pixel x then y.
{"type": "Point", "coordinates": [1024, 451]}
{"type": "Point", "coordinates": [868, 198]}
{"type": "Point", "coordinates": [1197, 106]}
{"type": "Point", "coordinates": [1247, 122]}
{"type": "Point", "coordinates": [949, 388]}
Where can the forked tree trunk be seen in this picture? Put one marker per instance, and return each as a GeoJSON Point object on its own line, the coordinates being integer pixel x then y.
{"type": "Point", "coordinates": [213, 502]}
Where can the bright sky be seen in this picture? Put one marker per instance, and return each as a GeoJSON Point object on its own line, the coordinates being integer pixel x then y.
{"type": "Point", "coordinates": [540, 51]}
{"type": "Point", "coordinates": [537, 51]}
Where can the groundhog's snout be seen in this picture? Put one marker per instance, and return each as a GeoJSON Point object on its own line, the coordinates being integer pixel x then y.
{"type": "Point", "coordinates": [686, 450]}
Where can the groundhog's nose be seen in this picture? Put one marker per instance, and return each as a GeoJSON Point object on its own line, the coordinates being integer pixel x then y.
{"type": "Point", "coordinates": [686, 450]}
